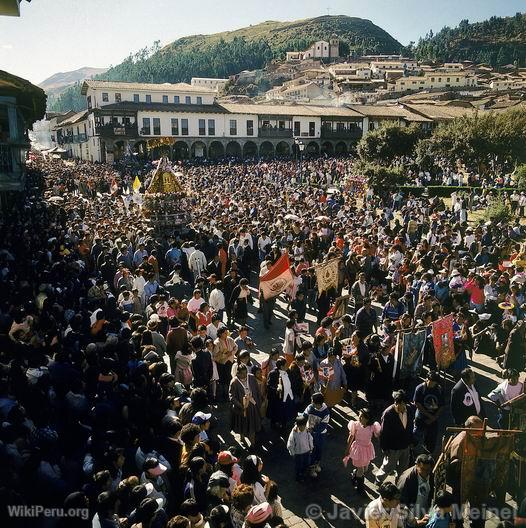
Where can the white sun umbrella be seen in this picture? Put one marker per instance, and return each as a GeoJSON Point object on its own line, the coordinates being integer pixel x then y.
{"type": "Point", "coordinates": [291, 216]}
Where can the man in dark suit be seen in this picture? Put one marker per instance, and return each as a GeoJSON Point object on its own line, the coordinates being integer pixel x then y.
{"type": "Point", "coordinates": [465, 399]}
{"type": "Point", "coordinates": [417, 486]}
{"type": "Point", "coordinates": [396, 436]}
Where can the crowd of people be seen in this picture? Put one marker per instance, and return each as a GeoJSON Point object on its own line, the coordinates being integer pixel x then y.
{"type": "Point", "coordinates": [123, 349]}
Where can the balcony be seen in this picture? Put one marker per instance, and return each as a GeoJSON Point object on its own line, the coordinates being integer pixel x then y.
{"type": "Point", "coordinates": [270, 132]}
{"type": "Point", "coordinates": [111, 129]}
{"type": "Point", "coordinates": [344, 133]}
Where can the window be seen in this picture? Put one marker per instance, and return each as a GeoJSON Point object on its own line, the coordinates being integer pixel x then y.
{"type": "Point", "coordinates": [202, 127]}
{"type": "Point", "coordinates": [312, 128]}
{"type": "Point", "coordinates": [105, 97]}
{"type": "Point", "coordinates": [448, 79]}
{"type": "Point", "coordinates": [250, 127]}
{"type": "Point", "coordinates": [458, 79]}
{"type": "Point", "coordinates": [148, 98]}
{"type": "Point", "coordinates": [89, 101]}
{"type": "Point", "coordinates": [165, 99]}
{"type": "Point", "coordinates": [211, 127]}
{"type": "Point", "coordinates": [176, 99]}
{"type": "Point", "coordinates": [440, 79]}
{"type": "Point", "coordinates": [175, 127]}
{"type": "Point", "coordinates": [281, 125]}
{"type": "Point", "coordinates": [188, 100]}
{"type": "Point", "coordinates": [146, 126]}
{"type": "Point", "coordinates": [199, 100]}
{"type": "Point", "coordinates": [184, 127]}
{"type": "Point", "coordinates": [156, 126]}
{"type": "Point", "coordinates": [135, 98]}
{"type": "Point", "coordinates": [233, 127]}
{"type": "Point", "coordinates": [297, 128]}
{"type": "Point", "coordinates": [118, 98]}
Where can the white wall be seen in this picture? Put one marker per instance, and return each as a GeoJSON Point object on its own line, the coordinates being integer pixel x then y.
{"type": "Point", "coordinates": [222, 123]}
{"type": "Point", "coordinates": [304, 125]}
{"type": "Point", "coordinates": [156, 96]}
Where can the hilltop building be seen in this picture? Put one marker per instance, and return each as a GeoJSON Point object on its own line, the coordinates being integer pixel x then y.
{"type": "Point", "coordinates": [321, 49]}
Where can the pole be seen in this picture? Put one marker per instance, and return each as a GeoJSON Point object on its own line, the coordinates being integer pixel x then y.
{"type": "Point", "coordinates": [301, 173]}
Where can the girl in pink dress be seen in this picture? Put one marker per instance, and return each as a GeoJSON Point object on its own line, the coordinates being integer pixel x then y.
{"type": "Point", "coordinates": [360, 449]}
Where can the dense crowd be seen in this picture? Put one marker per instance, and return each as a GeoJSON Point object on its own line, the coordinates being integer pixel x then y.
{"type": "Point", "coordinates": [122, 347]}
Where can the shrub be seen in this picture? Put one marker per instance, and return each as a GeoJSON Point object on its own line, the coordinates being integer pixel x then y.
{"type": "Point", "coordinates": [498, 212]}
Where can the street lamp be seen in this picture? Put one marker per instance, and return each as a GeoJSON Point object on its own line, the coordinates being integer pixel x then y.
{"type": "Point", "coordinates": [301, 147]}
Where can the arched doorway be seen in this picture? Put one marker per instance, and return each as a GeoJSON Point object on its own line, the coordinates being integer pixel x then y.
{"type": "Point", "coordinates": [198, 150]}
{"type": "Point", "coordinates": [160, 151]}
{"type": "Point", "coordinates": [282, 149]}
{"type": "Point", "coordinates": [340, 148]}
{"type": "Point", "coordinates": [250, 150]}
{"type": "Point", "coordinates": [266, 150]}
{"type": "Point", "coordinates": [216, 150]}
{"type": "Point", "coordinates": [180, 150]}
{"type": "Point", "coordinates": [313, 149]}
{"type": "Point", "coordinates": [233, 149]}
{"type": "Point", "coordinates": [140, 149]}
{"type": "Point", "coordinates": [119, 150]}
{"type": "Point", "coordinates": [327, 148]}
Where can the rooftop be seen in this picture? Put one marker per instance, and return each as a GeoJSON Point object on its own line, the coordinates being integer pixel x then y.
{"type": "Point", "coordinates": [130, 106]}
{"type": "Point", "coordinates": [164, 87]}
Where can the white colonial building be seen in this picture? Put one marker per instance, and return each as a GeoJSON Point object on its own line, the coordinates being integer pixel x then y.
{"type": "Point", "coordinates": [184, 121]}
{"type": "Point", "coordinates": [321, 49]}
{"type": "Point", "coordinates": [211, 84]}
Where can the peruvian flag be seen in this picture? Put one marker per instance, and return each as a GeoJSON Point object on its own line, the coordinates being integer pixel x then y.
{"type": "Point", "coordinates": [277, 279]}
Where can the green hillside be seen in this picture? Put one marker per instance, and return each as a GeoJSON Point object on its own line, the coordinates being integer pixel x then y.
{"type": "Point", "coordinates": [228, 53]}
{"type": "Point", "coordinates": [497, 41]}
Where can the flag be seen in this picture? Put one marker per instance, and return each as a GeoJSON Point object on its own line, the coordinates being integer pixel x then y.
{"type": "Point", "coordinates": [339, 308]}
{"type": "Point", "coordinates": [114, 187]}
{"type": "Point", "coordinates": [443, 342]}
{"type": "Point", "coordinates": [277, 279]}
{"type": "Point", "coordinates": [327, 275]}
{"type": "Point", "coordinates": [136, 184]}
{"type": "Point", "coordinates": [409, 354]}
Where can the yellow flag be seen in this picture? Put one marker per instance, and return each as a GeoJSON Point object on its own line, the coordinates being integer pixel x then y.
{"type": "Point", "coordinates": [136, 184]}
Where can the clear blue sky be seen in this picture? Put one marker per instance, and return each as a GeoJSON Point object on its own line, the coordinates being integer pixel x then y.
{"type": "Point", "coordinates": [63, 35]}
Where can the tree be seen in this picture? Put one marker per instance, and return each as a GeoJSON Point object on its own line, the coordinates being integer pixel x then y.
{"type": "Point", "coordinates": [380, 177]}
{"type": "Point", "coordinates": [388, 142]}
{"type": "Point", "coordinates": [520, 177]}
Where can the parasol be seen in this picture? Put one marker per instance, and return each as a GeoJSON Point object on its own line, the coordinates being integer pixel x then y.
{"type": "Point", "coordinates": [291, 217]}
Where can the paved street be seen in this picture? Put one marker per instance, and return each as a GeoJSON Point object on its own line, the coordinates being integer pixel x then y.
{"type": "Point", "coordinates": [330, 500]}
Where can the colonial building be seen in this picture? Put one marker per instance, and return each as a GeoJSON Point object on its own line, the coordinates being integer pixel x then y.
{"type": "Point", "coordinates": [21, 104]}
{"type": "Point", "coordinates": [433, 80]}
{"type": "Point", "coordinates": [321, 49]}
{"type": "Point", "coordinates": [185, 122]}
{"type": "Point", "coordinates": [212, 84]}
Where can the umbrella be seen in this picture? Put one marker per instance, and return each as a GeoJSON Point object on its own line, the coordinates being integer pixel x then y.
{"type": "Point", "coordinates": [291, 217]}
{"type": "Point", "coordinates": [323, 218]}
{"type": "Point", "coordinates": [56, 199]}
{"type": "Point", "coordinates": [332, 190]}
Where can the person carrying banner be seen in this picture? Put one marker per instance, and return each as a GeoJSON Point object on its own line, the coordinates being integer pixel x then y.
{"type": "Point", "coordinates": [429, 403]}
{"type": "Point", "coordinates": [465, 398]}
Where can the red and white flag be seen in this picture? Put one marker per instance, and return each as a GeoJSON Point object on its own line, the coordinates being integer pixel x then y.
{"type": "Point", "coordinates": [277, 279]}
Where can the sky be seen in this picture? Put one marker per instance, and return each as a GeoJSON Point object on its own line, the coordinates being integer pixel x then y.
{"type": "Point", "coordinates": [63, 35]}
